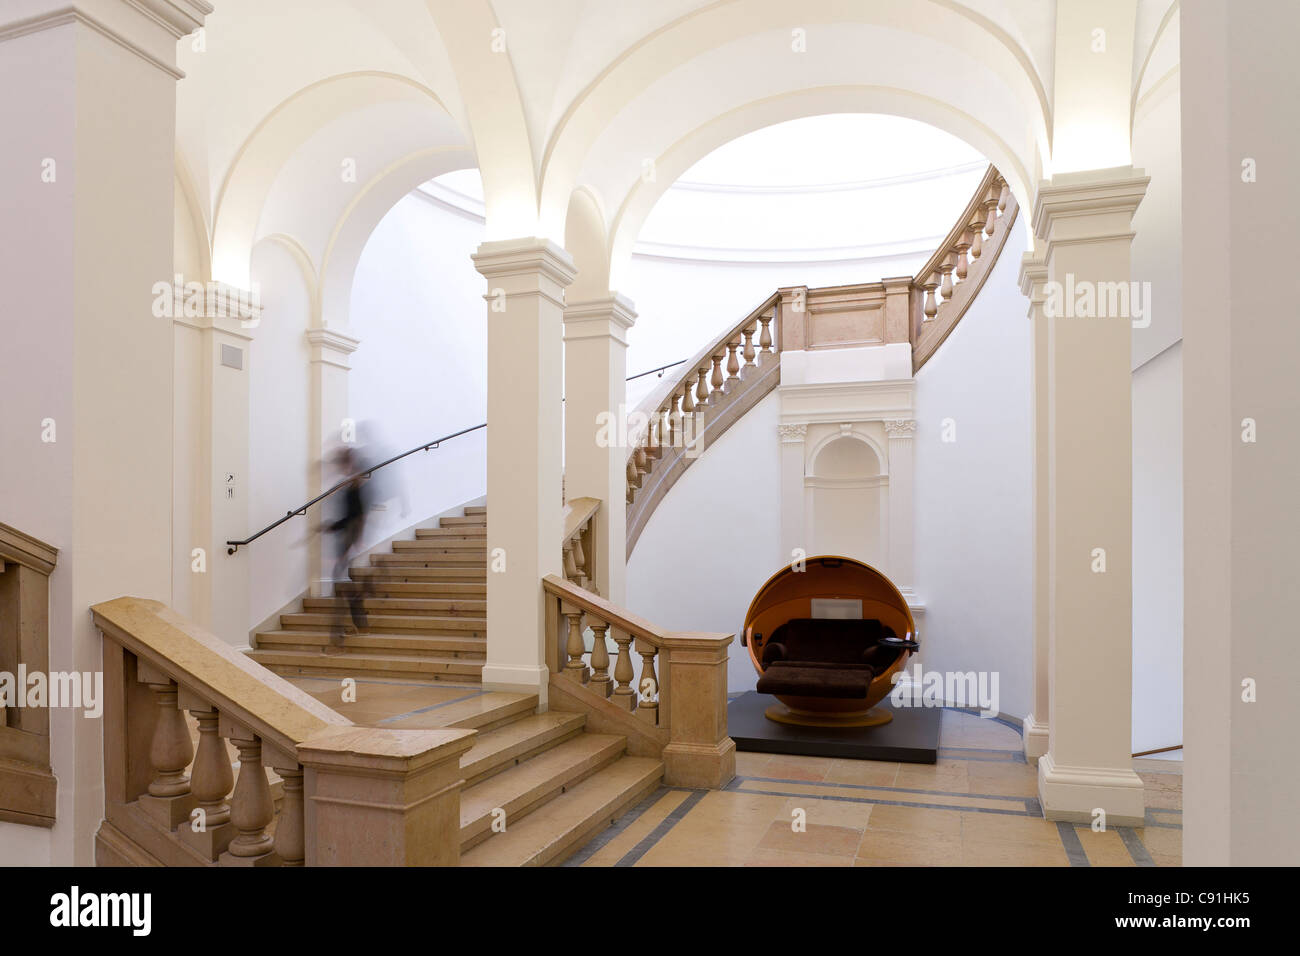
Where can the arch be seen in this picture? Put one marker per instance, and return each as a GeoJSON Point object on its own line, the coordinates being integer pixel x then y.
{"type": "Point", "coordinates": [698, 34]}
{"type": "Point", "coordinates": [846, 456]}
{"type": "Point", "coordinates": [199, 222]}
{"type": "Point", "coordinates": [491, 97]}
{"type": "Point", "coordinates": [363, 214]}
{"type": "Point", "coordinates": [280, 133]}
{"type": "Point", "coordinates": [683, 154]}
{"type": "Point", "coordinates": [308, 269]}
{"type": "Point", "coordinates": [855, 433]}
{"type": "Point", "coordinates": [586, 241]}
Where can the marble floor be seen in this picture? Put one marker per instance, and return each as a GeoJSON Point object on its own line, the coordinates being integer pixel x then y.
{"type": "Point", "coordinates": [977, 806]}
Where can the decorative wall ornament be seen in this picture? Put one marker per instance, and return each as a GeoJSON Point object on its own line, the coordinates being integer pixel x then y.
{"type": "Point", "coordinates": [792, 432]}
{"type": "Point", "coordinates": [900, 427]}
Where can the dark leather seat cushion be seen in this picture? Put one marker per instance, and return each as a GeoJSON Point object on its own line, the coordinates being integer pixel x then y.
{"type": "Point", "coordinates": [816, 679]}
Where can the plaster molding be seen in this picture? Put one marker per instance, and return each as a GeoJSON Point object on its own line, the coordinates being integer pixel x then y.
{"type": "Point", "coordinates": [1086, 195]}
{"type": "Point", "coordinates": [607, 317]}
{"type": "Point", "coordinates": [329, 347]}
{"type": "Point", "coordinates": [900, 428]}
{"type": "Point", "coordinates": [792, 433]}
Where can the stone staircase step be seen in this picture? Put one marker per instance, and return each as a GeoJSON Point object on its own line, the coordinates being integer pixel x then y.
{"type": "Point", "coordinates": [483, 712]}
{"type": "Point", "coordinates": [565, 824]}
{"type": "Point", "coordinates": [423, 559]}
{"type": "Point", "coordinates": [476, 510]}
{"type": "Point", "coordinates": [468, 521]}
{"type": "Point", "coordinates": [438, 575]}
{"type": "Point", "coordinates": [505, 747]}
{"type": "Point", "coordinates": [523, 788]}
{"type": "Point", "coordinates": [452, 590]}
{"type": "Point", "coordinates": [458, 533]}
{"type": "Point", "coordinates": [370, 664]}
{"type": "Point", "coordinates": [442, 546]}
{"type": "Point", "coordinates": [406, 606]}
{"type": "Point", "coordinates": [469, 648]}
{"type": "Point", "coordinates": [389, 624]}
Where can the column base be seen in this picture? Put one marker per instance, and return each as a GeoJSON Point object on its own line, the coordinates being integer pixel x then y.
{"type": "Point", "coordinates": [1072, 794]}
{"type": "Point", "coordinates": [700, 766]}
{"type": "Point", "coordinates": [518, 679]}
{"type": "Point", "coordinates": [1036, 738]}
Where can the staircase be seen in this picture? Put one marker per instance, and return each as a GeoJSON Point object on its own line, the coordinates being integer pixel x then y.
{"type": "Point", "coordinates": [550, 782]}
{"type": "Point", "coordinates": [427, 611]}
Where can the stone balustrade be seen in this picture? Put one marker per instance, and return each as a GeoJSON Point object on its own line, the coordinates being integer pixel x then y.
{"type": "Point", "coordinates": [679, 699]}
{"type": "Point", "coordinates": [180, 703]}
{"type": "Point", "coordinates": [579, 542]}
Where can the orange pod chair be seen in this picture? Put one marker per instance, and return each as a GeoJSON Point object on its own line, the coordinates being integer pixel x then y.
{"type": "Point", "coordinates": [829, 671]}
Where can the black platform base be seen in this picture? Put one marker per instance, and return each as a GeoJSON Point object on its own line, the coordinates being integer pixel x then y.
{"type": "Point", "coordinates": [911, 737]}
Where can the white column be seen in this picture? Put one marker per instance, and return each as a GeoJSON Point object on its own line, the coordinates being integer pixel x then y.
{"type": "Point", "coordinates": [88, 110]}
{"type": "Point", "coordinates": [329, 351]}
{"type": "Point", "coordinates": [1085, 221]}
{"type": "Point", "coordinates": [526, 279]}
{"type": "Point", "coordinates": [793, 533]}
{"type": "Point", "coordinates": [595, 392]}
{"type": "Point", "coordinates": [1033, 280]}
{"type": "Point", "coordinates": [902, 536]}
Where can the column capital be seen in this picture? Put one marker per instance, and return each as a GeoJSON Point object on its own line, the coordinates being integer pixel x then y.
{"type": "Point", "coordinates": [330, 347]}
{"type": "Point", "coordinates": [1089, 206]}
{"type": "Point", "coordinates": [1033, 276]}
{"type": "Point", "coordinates": [528, 259]}
{"type": "Point", "coordinates": [792, 432]}
{"type": "Point", "coordinates": [148, 28]}
{"type": "Point", "coordinates": [609, 316]}
{"type": "Point", "coordinates": [210, 306]}
{"type": "Point", "coordinates": [900, 427]}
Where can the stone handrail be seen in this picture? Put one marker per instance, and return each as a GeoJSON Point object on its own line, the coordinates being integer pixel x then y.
{"type": "Point", "coordinates": [949, 281]}
{"type": "Point", "coordinates": [348, 795]}
{"type": "Point", "coordinates": [684, 415]}
{"type": "Point", "coordinates": [679, 701]}
{"type": "Point", "coordinates": [578, 541]}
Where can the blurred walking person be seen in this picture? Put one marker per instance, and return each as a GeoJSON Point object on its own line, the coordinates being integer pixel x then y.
{"type": "Point", "coordinates": [347, 531]}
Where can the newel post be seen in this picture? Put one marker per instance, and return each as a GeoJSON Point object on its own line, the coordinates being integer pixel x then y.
{"type": "Point", "coordinates": [379, 797]}
{"type": "Point", "coordinates": [699, 752]}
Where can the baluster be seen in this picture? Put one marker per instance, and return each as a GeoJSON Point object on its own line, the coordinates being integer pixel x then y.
{"type": "Point", "coordinates": [290, 827]}
{"type": "Point", "coordinates": [624, 695]}
{"type": "Point", "coordinates": [633, 476]}
{"type": "Point", "coordinates": [568, 563]}
{"type": "Point", "coordinates": [170, 750]}
{"type": "Point", "coordinates": [674, 420]}
{"type": "Point", "coordinates": [1004, 193]}
{"type": "Point", "coordinates": [702, 388]}
{"type": "Point", "coordinates": [600, 681]}
{"type": "Point", "coordinates": [213, 777]}
{"type": "Point", "coordinates": [733, 361]}
{"type": "Point", "coordinates": [991, 210]}
{"type": "Point", "coordinates": [949, 263]}
{"type": "Point", "coordinates": [652, 450]}
{"type": "Point", "coordinates": [976, 227]}
{"type": "Point", "coordinates": [931, 307]}
{"type": "Point", "coordinates": [579, 561]}
{"type": "Point", "coordinates": [575, 669]}
{"type": "Point", "coordinates": [642, 463]}
{"type": "Point", "coordinates": [765, 337]}
{"type": "Point", "coordinates": [963, 244]}
{"type": "Point", "coordinates": [688, 397]}
{"type": "Point", "coordinates": [749, 346]}
{"type": "Point", "coordinates": [648, 688]}
{"type": "Point", "coordinates": [716, 379]}
{"type": "Point", "coordinates": [251, 808]}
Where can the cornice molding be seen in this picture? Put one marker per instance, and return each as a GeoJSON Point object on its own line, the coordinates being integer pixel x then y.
{"type": "Point", "coordinates": [610, 316]}
{"type": "Point", "coordinates": [524, 258]}
{"type": "Point", "coordinates": [330, 347]}
{"type": "Point", "coordinates": [1089, 193]}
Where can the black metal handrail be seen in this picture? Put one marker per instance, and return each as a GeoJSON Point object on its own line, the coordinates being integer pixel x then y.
{"type": "Point", "coordinates": [233, 546]}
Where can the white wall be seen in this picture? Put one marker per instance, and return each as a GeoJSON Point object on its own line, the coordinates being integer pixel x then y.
{"type": "Point", "coordinates": [715, 538]}
{"type": "Point", "coordinates": [1157, 430]}
{"type": "Point", "coordinates": [974, 539]}
{"type": "Point", "coordinates": [1158, 552]}
{"type": "Point", "coordinates": [421, 370]}
{"type": "Point", "coordinates": [278, 455]}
